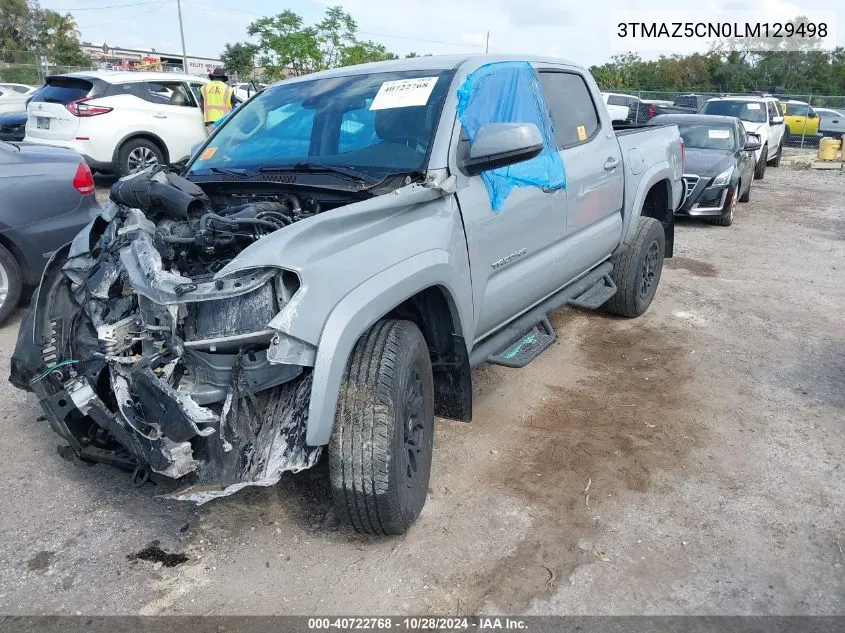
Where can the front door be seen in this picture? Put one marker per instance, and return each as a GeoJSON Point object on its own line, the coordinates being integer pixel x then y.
{"type": "Point", "coordinates": [512, 249]}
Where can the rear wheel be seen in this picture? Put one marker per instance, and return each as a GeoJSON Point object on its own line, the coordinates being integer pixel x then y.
{"type": "Point", "coordinates": [637, 269]}
{"type": "Point", "coordinates": [138, 154]}
{"type": "Point", "coordinates": [11, 284]}
{"type": "Point", "coordinates": [381, 448]}
{"type": "Point", "coordinates": [760, 169]}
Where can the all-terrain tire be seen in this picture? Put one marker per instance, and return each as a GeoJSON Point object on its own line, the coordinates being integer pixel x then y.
{"type": "Point", "coordinates": [11, 284]}
{"type": "Point", "coordinates": [137, 154]}
{"type": "Point", "coordinates": [760, 167]}
{"type": "Point", "coordinates": [636, 270]}
{"type": "Point", "coordinates": [380, 450]}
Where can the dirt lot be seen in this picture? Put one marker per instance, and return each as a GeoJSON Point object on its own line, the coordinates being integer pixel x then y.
{"type": "Point", "coordinates": [690, 461]}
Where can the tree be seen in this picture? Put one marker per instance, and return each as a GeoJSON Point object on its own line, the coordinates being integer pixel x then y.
{"type": "Point", "coordinates": [364, 52]}
{"type": "Point", "coordinates": [56, 37]}
{"type": "Point", "coordinates": [15, 25]}
{"type": "Point", "coordinates": [238, 59]}
{"type": "Point", "coordinates": [285, 45]}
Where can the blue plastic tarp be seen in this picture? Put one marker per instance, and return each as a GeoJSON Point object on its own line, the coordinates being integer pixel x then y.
{"type": "Point", "coordinates": [510, 92]}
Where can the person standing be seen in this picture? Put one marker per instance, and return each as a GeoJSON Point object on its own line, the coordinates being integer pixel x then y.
{"type": "Point", "coordinates": [218, 99]}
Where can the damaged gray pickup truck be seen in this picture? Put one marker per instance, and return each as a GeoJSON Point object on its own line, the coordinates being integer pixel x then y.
{"type": "Point", "coordinates": [330, 267]}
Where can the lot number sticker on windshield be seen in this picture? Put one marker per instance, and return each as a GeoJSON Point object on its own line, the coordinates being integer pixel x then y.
{"type": "Point", "coordinates": [752, 106]}
{"type": "Point", "coordinates": [403, 93]}
{"type": "Point", "coordinates": [718, 133]}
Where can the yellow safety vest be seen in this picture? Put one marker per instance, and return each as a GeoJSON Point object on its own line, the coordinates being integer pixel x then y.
{"type": "Point", "coordinates": [216, 100]}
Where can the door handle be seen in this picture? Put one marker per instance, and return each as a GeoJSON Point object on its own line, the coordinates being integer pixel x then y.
{"type": "Point", "coordinates": [550, 189]}
{"type": "Point", "coordinates": [159, 115]}
{"type": "Point", "coordinates": [611, 163]}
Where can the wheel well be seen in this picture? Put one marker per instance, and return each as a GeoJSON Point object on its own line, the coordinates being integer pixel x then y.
{"type": "Point", "coordinates": [26, 274]}
{"type": "Point", "coordinates": [432, 312]}
{"type": "Point", "coordinates": [658, 205]}
{"type": "Point", "coordinates": [146, 136]}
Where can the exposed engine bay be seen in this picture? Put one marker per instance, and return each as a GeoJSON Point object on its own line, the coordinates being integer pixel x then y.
{"type": "Point", "coordinates": [143, 357]}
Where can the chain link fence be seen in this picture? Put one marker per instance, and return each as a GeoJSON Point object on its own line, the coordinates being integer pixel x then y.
{"type": "Point", "coordinates": [30, 68]}
{"type": "Point", "coordinates": [801, 130]}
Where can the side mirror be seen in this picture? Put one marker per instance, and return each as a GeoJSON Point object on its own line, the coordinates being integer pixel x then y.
{"type": "Point", "coordinates": [501, 144]}
{"type": "Point", "coordinates": [777, 120]}
{"type": "Point", "coordinates": [813, 115]}
{"type": "Point", "coordinates": [751, 145]}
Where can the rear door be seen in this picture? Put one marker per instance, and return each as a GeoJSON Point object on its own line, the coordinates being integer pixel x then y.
{"type": "Point", "coordinates": [47, 115]}
{"type": "Point", "coordinates": [169, 110]}
{"type": "Point", "coordinates": [594, 173]}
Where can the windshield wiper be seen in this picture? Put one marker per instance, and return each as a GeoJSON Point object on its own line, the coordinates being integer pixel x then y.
{"type": "Point", "coordinates": [315, 168]}
{"type": "Point", "coordinates": [231, 171]}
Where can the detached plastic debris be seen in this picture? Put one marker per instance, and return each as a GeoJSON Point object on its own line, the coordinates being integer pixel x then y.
{"type": "Point", "coordinates": [480, 102]}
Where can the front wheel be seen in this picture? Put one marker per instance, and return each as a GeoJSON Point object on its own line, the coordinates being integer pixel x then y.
{"type": "Point", "coordinates": [636, 270]}
{"type": "Point", "coordinates": [381, 448]}
{"type": "Point", "coordinates": [760, 169]}
{"type": "Point", "coordinates": [776, 161]}
{"type": "Point", "coordinates": [728, 218]}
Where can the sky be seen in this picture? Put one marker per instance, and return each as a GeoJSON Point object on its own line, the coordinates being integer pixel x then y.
{"type": "Point", "coordinates": [577, 31]}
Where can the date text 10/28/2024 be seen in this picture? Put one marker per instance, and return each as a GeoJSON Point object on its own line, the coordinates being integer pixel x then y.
{"type": "Point", "coordinates": [416, 624]}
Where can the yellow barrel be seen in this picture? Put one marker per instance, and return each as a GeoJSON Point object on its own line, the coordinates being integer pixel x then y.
{"type": "Point", "coordinates": [828, 147]}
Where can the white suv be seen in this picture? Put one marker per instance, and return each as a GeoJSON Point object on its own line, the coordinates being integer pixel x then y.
{"type": "Point", "coordinates": [759, 115]}
{"type": "Point", "coordinates": [121, 122]}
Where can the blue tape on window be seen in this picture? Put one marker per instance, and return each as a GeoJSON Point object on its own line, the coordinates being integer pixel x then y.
{"type": "Point", "coordinates": [510, 92]}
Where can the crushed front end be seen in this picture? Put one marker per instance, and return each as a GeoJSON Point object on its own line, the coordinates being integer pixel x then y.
{"type": "Point", "coordinates": [143, 357]}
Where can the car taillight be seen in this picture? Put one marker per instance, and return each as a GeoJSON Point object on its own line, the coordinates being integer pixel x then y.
{"type": "Point", "coordinates": [650, 110]}
{"type": "Point", "coordinates": [80, 108]}
{"type": "Point", "coordinates": [83, 181]}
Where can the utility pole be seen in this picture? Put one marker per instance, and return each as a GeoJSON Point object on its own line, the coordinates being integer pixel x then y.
{"type": "Point", "coordinates": [182, 33]}
{"type": "Point", "coordinates": [487, 43]}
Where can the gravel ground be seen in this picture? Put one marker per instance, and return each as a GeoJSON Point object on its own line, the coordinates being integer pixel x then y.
{"type": "Point", "coordinates": [687, 462]}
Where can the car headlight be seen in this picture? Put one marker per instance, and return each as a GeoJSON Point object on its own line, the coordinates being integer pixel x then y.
{"type": "Point", "coordinates": [724, 178]}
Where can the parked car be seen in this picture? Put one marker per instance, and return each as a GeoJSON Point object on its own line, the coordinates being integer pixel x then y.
{"type": "Point", "coordinates": [692, 103]}
{"type": "Point", "coordinates": [832, 122]}
{"type": "Point", "coordinates": [121, 122]}
{"type": "Point", "coordinates": [11, 100]}
{"type": "Point", "coordinates": [281, 298]}
{"type": "Point", "coordinates": [800, 119]}
{"type": "Point", "coordinates": [23, 89]}
{"type": "Point", "coordinates": [646, 109]}
{"type": "Point", "coordinates": [718, 167]}
{"type": "Point", "coordinates": [618, 104]}
{"type": "Point", "coordinates": [12, 126]}
{"type": "Point", "coordinates": [759, 115]}
{"type": "Point", "coordinates": [46, 197]}
{"type": "Point", "coordinates": [246, 89]}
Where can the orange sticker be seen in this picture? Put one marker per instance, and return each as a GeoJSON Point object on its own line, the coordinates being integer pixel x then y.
{"type": "Point", "coordinates": [582, 133]}
{"type": "Point", "coordinates": [208, 153]}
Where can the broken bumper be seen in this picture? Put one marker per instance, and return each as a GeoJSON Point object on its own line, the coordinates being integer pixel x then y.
{"type": "Point", "coordinates": [172, 377]}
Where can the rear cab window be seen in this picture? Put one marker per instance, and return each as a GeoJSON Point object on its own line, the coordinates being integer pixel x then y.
{"type": "Point", "coordinates": [571, 107]}
{"type": "Point", "coordinates": [64, 90]}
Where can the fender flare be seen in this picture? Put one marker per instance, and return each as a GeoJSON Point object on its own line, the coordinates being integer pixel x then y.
{"type": "Point", "coordinates": [357, 312]}
{"type": "Point", "coordinates": [652, 176]}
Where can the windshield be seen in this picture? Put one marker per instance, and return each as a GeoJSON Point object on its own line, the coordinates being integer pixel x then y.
{"type": "Point", "coordinates": [751, 111]}
{"type": "Point", "coordinates": [701, 136]}
{"type": "Point", "coordinates": [375, 124]}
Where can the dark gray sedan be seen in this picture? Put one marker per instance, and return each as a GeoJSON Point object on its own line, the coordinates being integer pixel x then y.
{"type": "Point", "coordinates": [46, 197]}
{"type": "Point", "coordinates": [718, 167]}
